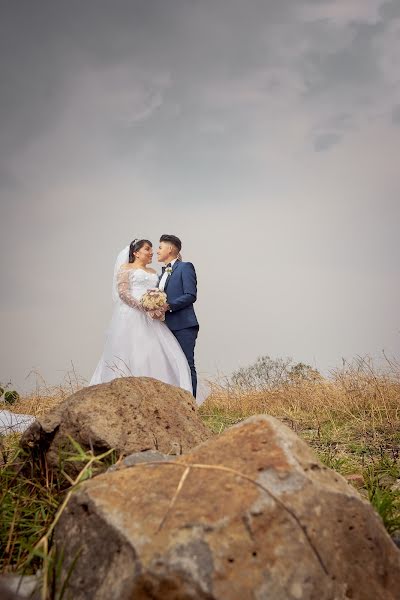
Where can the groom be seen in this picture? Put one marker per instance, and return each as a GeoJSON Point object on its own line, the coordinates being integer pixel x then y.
{"type": "Point", "coordinates": [178, 280]}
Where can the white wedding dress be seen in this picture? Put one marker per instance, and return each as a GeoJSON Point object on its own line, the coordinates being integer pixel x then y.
{"type": "Point", "coordinates": [136, 344]}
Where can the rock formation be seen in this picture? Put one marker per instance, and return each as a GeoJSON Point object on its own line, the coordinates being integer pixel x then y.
{"type": "Point", "coordinates": [129, 414]}
{"type": "Point", "coordinates": [248, 514]}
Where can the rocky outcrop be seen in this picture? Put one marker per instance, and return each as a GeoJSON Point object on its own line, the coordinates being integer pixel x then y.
{"type": "Point", "coordinates": [130, 414]}
{"type": "Point", "coordinates": [248, 514]}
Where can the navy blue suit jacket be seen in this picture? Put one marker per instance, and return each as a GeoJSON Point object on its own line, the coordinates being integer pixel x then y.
{"type": "Point", "coordinates": [181, 290]}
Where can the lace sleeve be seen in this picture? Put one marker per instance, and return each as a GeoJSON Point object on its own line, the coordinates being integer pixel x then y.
{"type": "Point", "coordinates": [123, 284]}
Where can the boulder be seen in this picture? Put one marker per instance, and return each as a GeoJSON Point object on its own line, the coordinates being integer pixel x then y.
{"type": "Point", "coordinates": [250, 514]}
{"type": "Point", "coordinates": [129, 414]}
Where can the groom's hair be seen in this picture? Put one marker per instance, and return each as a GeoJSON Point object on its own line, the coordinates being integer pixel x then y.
{"type": "Point", "coordinates": [172, 239]}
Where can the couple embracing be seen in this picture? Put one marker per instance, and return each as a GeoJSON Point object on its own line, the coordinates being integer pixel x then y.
{"type": "Point", "coordinates": [144, 341]}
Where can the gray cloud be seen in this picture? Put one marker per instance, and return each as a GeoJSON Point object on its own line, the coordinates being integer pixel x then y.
{"type": "Point", "coordinates": [396, 114]}
{"type": "Point", "coordinates": [324, 141]}
{"type": "Point", "coordinates": [254, 130]}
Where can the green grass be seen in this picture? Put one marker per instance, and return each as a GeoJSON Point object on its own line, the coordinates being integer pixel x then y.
{"type": "Point", "coordinates": [28, 504]}
{"type": "Point", "coordinates": [31, 500]}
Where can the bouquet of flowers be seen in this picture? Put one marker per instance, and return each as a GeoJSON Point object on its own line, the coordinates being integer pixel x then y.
{"type": "Point", "coordinates": [153, 302]}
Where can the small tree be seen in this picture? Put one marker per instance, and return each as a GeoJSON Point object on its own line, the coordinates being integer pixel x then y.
{"type": "Point", "coordinates": [268, 374]}
{"type": "Point", "coordinates": [303, 372]}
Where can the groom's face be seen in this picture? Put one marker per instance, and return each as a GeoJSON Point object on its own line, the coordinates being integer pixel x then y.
{"type": "Point", "coordinates": [164, 252]}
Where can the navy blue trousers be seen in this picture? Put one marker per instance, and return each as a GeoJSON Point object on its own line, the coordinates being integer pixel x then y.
{"type": "Point", "coordinates": [187, 341]}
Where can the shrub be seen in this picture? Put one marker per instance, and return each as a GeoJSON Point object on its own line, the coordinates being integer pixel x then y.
{"type": "Point", "coordinates": [268, 374]}
{"type": "Point", "coordinates": [11, 396]}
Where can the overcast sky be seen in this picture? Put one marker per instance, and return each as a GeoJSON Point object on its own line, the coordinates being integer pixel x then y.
{"type": "Point", "coordinates": [265, 134]}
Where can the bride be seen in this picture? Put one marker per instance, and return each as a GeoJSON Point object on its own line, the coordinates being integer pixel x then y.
{"type": "Point", "coordinates": [135, 343]}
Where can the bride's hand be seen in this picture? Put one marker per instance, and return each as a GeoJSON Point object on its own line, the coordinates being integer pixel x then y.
{"type": "Point", "coordinates": [159, 312]}
{"type": "Point", "coordinates": [156, 314]}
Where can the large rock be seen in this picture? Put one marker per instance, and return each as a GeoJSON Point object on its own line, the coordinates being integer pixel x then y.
{"type": "Point", "coordinates": [130, 414]}
{"type": "Point", "coordinates": [275, 525]}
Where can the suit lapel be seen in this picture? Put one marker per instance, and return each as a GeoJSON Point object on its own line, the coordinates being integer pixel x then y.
{"type": "Point", "coordinates": [175, 265]}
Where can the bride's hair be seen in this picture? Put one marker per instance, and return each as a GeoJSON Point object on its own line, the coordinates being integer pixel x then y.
{"type": "Point", "coordinates": [135, 246]}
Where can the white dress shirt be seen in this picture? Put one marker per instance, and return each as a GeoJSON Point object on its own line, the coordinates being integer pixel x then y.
{"type": "Point", "coordinates": [164, 277]}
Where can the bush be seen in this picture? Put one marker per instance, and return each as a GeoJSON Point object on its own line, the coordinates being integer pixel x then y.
{"type": "Point", "coordinates": [11, 396]}
{"type": "Point", "coordinates": [268, 374]}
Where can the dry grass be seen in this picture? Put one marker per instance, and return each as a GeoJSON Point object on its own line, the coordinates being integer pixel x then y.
{"type": "Point", "coordinates": [44, 398]}
{"type": "Point", "coordinates": [351, 419]}
{"type": "Point", "coordinates": [39, 402]}
{"type": "Point", "coordinates": [356, 398]}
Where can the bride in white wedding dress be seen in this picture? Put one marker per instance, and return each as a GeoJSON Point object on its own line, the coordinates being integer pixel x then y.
{"type": "Point", "coordinates": [135, 343]}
